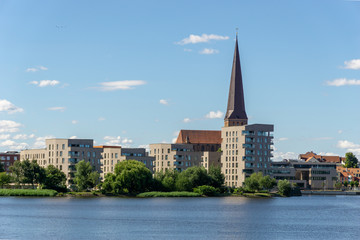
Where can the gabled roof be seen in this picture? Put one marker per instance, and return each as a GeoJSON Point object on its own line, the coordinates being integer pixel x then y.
{"type": "Point", "coordinates": [321, 158]}
{"type": "Point", "coordinates": [199, 137]}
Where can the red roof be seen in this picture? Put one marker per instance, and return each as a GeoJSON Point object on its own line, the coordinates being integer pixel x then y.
{"type": "Point", "coordinates": [199, 137]}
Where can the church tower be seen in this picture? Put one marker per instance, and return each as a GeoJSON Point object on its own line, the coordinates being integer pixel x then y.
{"type": "Point", "coordinates": [235, 113]}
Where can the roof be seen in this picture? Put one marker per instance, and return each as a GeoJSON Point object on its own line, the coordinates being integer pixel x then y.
{"type": "Point", "coordinates": [321, 158]}
{"type": "Point", "coordinates": [107, 146]}
{"type": "Point", "coordinates": [199, 137]}
{"type": "Point", "coordinates": [236, 102]}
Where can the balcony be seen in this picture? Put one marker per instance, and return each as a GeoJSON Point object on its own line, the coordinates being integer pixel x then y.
{"type": "Point", "coordinates": [246, 145]}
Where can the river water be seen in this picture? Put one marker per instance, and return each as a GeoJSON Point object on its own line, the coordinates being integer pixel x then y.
{"type": "Point", "coordinates": [307, 217]}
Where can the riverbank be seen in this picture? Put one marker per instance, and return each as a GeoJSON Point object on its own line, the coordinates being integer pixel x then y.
{"type": "Point", "coordinates": [319, 192]}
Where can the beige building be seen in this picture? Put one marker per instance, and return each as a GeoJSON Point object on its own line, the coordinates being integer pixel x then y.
{"type": "Point", "coordinates": [64, 154]}
{"type": "Point", "coordinates": [310, 174]}
{"type": "Point", "coordinates": [112, 155]}
{"type": "Point", "coordinates": [245, 149]}
{"type": "Point", "coordinates": [210, 159]}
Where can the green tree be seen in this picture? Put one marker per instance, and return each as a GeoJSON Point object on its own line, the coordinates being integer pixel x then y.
{"type": "Point", "coordinates": [267, 182]}
{"type": "Point", "coordinates": [346, 184]}
{"type": "Point", "coordinates": [84, 176]}
{"type": "Point", "coordinates": [356, 183]}
{"type": "Point", "coordinates": [284, 187]}
{"type": "Point", "coordinates": [191, 178]}
{"type": "Point", "coordinates": [27, 172]}
{"type": "Point", "coordinates": [252, 183]}
{"type": "Point", "coordinates": [17, 172]}
{"type": "Point", "coordinates": [338, 185]}
{"type": "Point", "coordinates": [217, 177]}
{"type": "Point", "coordinates": [350, 160]}
{"type": "Point", "coordinates": [352, 184]}
{"type": "Point", "coordinates": [4, 179]}
{"type": "Point", "coordinates": [166, 179]}
{"type": "Point", "coordinates": [55, 179]}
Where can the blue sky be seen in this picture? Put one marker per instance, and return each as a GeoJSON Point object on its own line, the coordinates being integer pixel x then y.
{"type": "Point", "coordinates": [136, 72]}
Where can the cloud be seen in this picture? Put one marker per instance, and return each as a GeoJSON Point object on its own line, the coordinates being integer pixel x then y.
{"type": "Point", "coordinates": [193, 39]}
{"type": "Point", "coordinates": [340, 131]}
{"type": "Point", "coordinates": [283, 139]}
{"type": "Point", "coordinates": [212, 114]}
{"type": "Point", "coordinates": [23, 136]}
{"type": "Point", "coordinates": [164, 102]}
{"type": "Point", "coordinates": [9, 126]}
{"type": "Point", "coordinates": [146, 146]}
{"type": "Point", "coordinates": [40, 141]}
{"type": "Point", "coordinates": [11, 145]}
{"type": "Point", "coordinates": [187, 120]}
{"type": "Point", "coordinates": [6, 106]}
{"type": "Point", "coordinates": [73, 137]}
{"type": "Point", "coordinates": [120, 85]}
{"type": "Point", "coordinates": [35, 69]}
{"type": "Point", "coordinates": [74, 121]}
{"type": "Point", "coordinates": [101, 119]}
{"type": "Point", "coordinates": [4, 136]}
{"type": "Point", "coordinates": [209, 51]}
{"type": "Point", "coordinates": [61, 109]}
{"type": "Point", "coordinates": [279, 156]}
{"type": "Point", "coordinates": [349, 146]}
{"type": "Point", "coordinates": [117, 141]}
{"type": "Point", "coordinates": [343, 82]}
{"type": "Point", "coordinates": [45, 83]}
{"type": "Point", "coordinates": [328, 154]}
{"type": "Point", "coordinates": [352, 64]}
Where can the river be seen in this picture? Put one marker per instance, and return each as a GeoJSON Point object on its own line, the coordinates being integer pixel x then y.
{"type": "Point", "coordinates": [307, 217]}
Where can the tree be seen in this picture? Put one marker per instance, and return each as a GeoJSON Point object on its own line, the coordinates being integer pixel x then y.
{"type": "Point", "coordinates": [84, 176]}
{"type": "Point", "coordinates": [352, 184]}
{"type": "Point", "coordinates": [356, 183]}
{"type": "Point", "coordinates": [55, 179]}
{"type": "Point", "coordinates": [267, 182]}
{"type": "Point", "coordinates": [217, 177]}
{"type": "Point", "coordinates": [167, 180]}
{"type": "Point", "coordinates": [252, 183]}
{"type": "Point", "coordinates": [27, 172]}
{"type": "Point", "coordinates": [4, 179]}
{"type": "Point", "coordinates": [191, 178]}
{"type": "Point", "coordinates": [338, 185]}
{"type": "Point", "coordinates": [350, 160]}
{"type": "Point", "coordinates": [17, 172]}
{"type": "Point", "coordinates": [346, 183]}
{"type": "Point", "coordinates": [284, 187]}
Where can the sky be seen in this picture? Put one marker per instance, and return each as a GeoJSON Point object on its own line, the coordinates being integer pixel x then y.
{"type": "Point", "coordinates": [132, 73]}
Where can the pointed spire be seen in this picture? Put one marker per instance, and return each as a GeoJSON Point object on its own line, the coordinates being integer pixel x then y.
{"type": "Point", "coordinates": [235, 113]}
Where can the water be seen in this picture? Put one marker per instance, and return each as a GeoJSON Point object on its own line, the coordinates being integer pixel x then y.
{"type": "Point", "coordinates": [307, 217]}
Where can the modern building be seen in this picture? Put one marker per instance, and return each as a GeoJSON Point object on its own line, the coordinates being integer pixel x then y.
{"type": "Point", "coordinates": [310, 174]}
{"type": "Point", "coordinates": [111, 155]}
{"type": "Point", "coordinates": [245, 148]}
{"type": "Point", "coordinates": [64, 154]}
{"type": "Point", "coordinates": [8, 158]}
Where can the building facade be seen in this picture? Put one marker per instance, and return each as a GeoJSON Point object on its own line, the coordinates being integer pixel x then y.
{"type": "Point", "coordinates": [8, 158]}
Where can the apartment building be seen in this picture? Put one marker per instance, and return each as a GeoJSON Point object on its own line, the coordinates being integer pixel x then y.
{"type": "Point", "coordinates": [310, 174]}
{"type": "Point", "coordinates": [8, 158]}
{"type": "Point", "coordinates": [64, 154]}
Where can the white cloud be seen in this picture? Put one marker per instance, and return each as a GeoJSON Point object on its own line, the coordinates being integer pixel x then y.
{"type": "Point", "coordinates": [209, 51]}
{"type": "Point", "coordinates": [11, 145]}
{"type": "Point", "coordinates": [40, 141]}
{"type": "Point", "coordinates": [328, 154]}
{"type": "Point", "coordinates": [352, 64]}
{"type": "Point", "coordinates": [343, 82]}
{"type": "Point", "coordinates": [201, 38]}
{"type": "Point", "coordinates": [212, 114]}
{"type": "Point", "coordinates": [23, 136]}
{"type": "Point", "coordinates": [101, 119]}
{"type": "Point", "coordinates": [9, 126]}
{"type": "Point", "coordinates": [4, 136]}
{"type": "Point", "coordinates": [173, 140]}
{"type": "Point", "coordinates": [283, 139]}
{"type": "Point", "coordinates": [120, 85]}
{"type": "Point", "coordinates": [117, 141]}
{"type": "Point", "coordinates": [279, 156]}
{"type": "Point", "coordinates": [74, 121]}
{"type": "Point", "coordinates": [6, 106]}
{"type": "Point", "coordinates": [35, 69]}
{"type": "Point", "coordinates": [349, 146]}
{"type": "Point", "coordinates": [164, 102]}
{"type": "Point", "coordinates": [32, 69]}
{"type": "Point", "coordinates": [73, 137]}
{"type": "Point", "coordinates": [340, 131]}
{"type": "Point", "coordinates": [187, 120]}
{"type": "Point", "coordinates": [146, 146]}
{"type": "Point", "coordinates": [45, 83]}
{"type": "Point", "coordinates": [61, 109]}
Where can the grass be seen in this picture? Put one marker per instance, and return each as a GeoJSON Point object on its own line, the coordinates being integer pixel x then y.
{"type": "Point", "coordinates": [266, 195]}
{"type": "Point", "coordinates": [28, 192]}
{"type": "Point", "coordinates": [168, 194]}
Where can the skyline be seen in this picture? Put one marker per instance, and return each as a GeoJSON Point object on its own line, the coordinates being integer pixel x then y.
{"type": "Point", "coordinates": [172, 71]}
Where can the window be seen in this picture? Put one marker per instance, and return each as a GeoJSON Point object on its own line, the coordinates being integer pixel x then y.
{"type": "Point", "coordinates": [116, 155]}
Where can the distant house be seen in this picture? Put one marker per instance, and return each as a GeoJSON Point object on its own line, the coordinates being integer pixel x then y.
{"type": "Point", "coordinates": [348, 174]}
{"type": "Point", "coordinates": [322, 158]}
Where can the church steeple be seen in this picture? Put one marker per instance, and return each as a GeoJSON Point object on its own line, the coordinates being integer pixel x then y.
{"type": "Point", "coordinates": [235, 113]}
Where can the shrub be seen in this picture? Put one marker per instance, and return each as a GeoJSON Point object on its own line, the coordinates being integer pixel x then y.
{"type": "Point", "coordinates": [284, 187]}
{"type": "Point", "coordinates": [28, 192]}
{"type": "Point", "coordinates": [206, 190]}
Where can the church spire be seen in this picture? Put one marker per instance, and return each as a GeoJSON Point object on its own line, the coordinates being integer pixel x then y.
{"type": "Point", "coordinates": [235, 113]}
